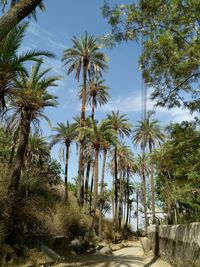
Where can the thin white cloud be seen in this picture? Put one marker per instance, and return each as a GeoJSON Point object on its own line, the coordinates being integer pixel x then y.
{"type": "Point", "coordinates": [133, 103]}
{"type": "Point", "coordinates": [40, 33]}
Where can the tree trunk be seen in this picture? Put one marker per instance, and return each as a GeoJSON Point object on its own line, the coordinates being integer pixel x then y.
{"type": "Point", "coordinates": [113, 200]}
{"type": "Point", "coordinates": [84, 91]}
{"type": "Point", "coordinates": [101, 194]}
{"type": "Point", "coordinates": [91, 186]}
{"type": "Point", "coordinates": [79, 180]}
{"type": "Point", "coordinates": [82, 181]}
{"type": "Point", "coordinates": [144, 199]}
{"type": "Point", "coordinates": [116, 191]}
{"type": "Point", "coordinates": [66, 172]}
{"type": "Point", "coordinates": [137, 210]}
{"type": "Point", "coordinates": [15, 14]}
{"type": "Point", "coordinates": [127, 199]}
{"type": "Point", "coordinates": [21, 150]}
{"type": "Point", "coordinates": [152, 189]}
{"type": "Point", "coordinates": [169, 202]}
{"type": "Point", "coordinates": [120, 202]}
{"type": "Point", "coordinates": [130, 208]}
{"type": "Point", "coordinates": [93, 107]}
{"type": "Point", "coordinates": [95, 194]}
{"type": "Point", "coordinates": [87, 182]}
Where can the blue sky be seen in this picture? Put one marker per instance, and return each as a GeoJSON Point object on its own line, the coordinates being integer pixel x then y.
{"type": "Point", "coordinates": [53, 31]}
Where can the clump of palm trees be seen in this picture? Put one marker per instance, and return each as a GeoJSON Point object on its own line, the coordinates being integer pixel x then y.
{"type": "Point", "coordinates": [89, 63]}
{"type": "Point", "coordinates": [27, 95]}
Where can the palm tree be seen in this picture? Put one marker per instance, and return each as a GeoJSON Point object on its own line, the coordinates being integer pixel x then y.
{"type": "Point", "coordinates": [28, 103]}
{"type": "Point", "coordinates": [148, 134]}
{"type": "Point", "coordinates": [124, 156]}
{"type": "Point", "coordinates": [89, 164]}
{"type": "Point", "coordinates": [142, 169]}
{"type": "Point", "coordinates": [16, 13]}
{"type": "Point", "coordinates": [66, 135]}
{"type": "Point", "coordinates": [97, 93]}
{"type": "Point", "coordinates": [84, 57]}
{"type": "Point", "coordinates": [120, 124]}
{"type": "Point", "coordinates": [37, 150]}
{"type": "Point", "coordinates": [83, 157]}
{"type": "Point", "coordinates": [109, 140]}
{"type": "Point", "coordinates": [11, 61]}
{"type": "Point", "coordinates": [130, 170]}
{"type": "Point", "coordinates": [97, 134]}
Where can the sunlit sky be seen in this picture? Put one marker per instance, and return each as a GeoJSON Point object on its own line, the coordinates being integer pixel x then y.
{"type": "Point", "coordinates": [53, 31]}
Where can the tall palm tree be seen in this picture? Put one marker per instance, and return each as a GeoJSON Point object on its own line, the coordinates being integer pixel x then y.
{"type": "Point", "coordinates": [148, 134]}
{"type": "Point", "coordinates": [28, 103]}
{"type": "Point", "coordinates": [121, 125]}
{"type": "Point", "coordinates": [65, 134]}
{"type": "Point", "coordinates": [142, 169]}
{"type": "Point", "coordinates": [97, 134]}
{"type": "Point", "coordinates": [130, 171]}
{"type": "Point", "coordinates": [83, 158]}
{"type": "Point", "coordinates": [97, 93]}
{"type": "Point", "coordinates": [109, 140]}
{"type": "Point", "coordinates": [124, 156]}
{"type": "Point", "coordinates": [12, 62]}
{"type": "Point", "coordinates": [85, 57]}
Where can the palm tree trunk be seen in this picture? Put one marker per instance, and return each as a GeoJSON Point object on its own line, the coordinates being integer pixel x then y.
{"type": "Point", "coordinates": [120, 201]}
{"type": "Point", "coordinates": [79, 180]}
{"type": "Point", "coordinates": [137, 210]}
{"type": "Point", "coordinates": [101, 194]}
{"type": "Point", "coordinates": [95, 194]}
{"type": "Point", "coordinates": [127, 200]}
{"type": "Point", "coordinates": [84, 90]}
{"type": "Point", "coordinates": [152, 189]}
{"type": "Point", "coordinates": [80, 183]}
{"type": "Point", "coordinates": [91, 186]}
{"type": "Point", "coordinates": [87, 182]}
{"type": "Point", "coordinates": [66, 172]}
{"type": "Point", "coordinates": [21, 150]}
{"type": "Point", "coordinates": [113, 201]}
{"type": "Point", "coordinates": [15, 14]}
{"type": "Point", "coordinates": [116, 191]}
{"type": "Point", "coordinates": [93, 107]}
{"type": "Point", "coordinates": [130, 208]}
{"type": "Point", "coordinates": [144, 199]}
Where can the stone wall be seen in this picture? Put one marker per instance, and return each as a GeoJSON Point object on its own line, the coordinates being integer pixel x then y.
{"type": "Point", "coordinates": [177, 244]}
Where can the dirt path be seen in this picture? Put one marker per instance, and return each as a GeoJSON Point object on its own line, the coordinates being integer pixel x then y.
{"type": "Point", "coordinates": [131, 256]}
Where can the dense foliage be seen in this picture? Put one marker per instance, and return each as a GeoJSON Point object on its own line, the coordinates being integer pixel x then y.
{"type": "Point", "coordinates": [170, 60]}
{"type": "Point", "coordinates": [178, 173]}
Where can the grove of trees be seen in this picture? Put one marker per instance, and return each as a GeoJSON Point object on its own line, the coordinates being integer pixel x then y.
{"type": "Point", "coordinates": [151, 167]}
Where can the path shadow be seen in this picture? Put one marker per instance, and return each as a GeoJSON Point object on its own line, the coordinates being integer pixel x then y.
{"type": "Point", "coordinates": [107, 261]}
{"type": "Point", "coordinates": [156, 248]}
{"type": "Point", "coordinates": [152, 261]}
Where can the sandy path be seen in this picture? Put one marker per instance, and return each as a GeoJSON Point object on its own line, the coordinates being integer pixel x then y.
{"type": "Point", "coordinates": [126, 257]}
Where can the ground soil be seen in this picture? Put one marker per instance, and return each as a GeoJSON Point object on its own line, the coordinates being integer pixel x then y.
{"type": "Point", "coordinates": [130, 256]}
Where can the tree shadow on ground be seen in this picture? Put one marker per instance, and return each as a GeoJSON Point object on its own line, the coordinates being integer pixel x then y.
{"type": "Point", "coordinates": [151, 262]}
{"type": "Point", "coordinates": [107, 261]}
